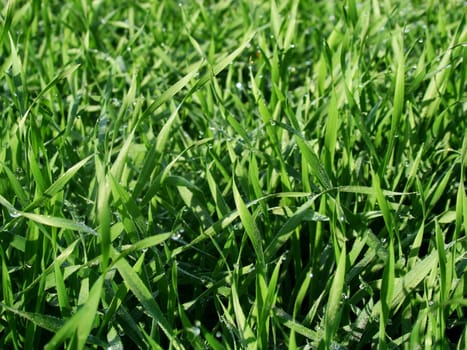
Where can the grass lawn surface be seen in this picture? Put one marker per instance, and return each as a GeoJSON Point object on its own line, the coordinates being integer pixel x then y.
{"type": "Point", "coordinates": [233, 174]}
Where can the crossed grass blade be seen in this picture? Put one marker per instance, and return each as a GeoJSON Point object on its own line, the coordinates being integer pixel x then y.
{"type": "Point", "coordinates": [141, 291]}
{"type": "Point", "coordinates": [78, 327]}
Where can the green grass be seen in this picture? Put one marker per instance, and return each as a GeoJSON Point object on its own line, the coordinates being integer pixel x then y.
{"type": "Point", "coordinates": [233, 174]}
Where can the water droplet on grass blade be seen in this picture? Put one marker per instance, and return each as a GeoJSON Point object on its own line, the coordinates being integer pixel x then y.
{"type": "Point", "coordinates": [14, 213]}
{"type": "Point", "coordinates": [116, 102]}
{"type": "Point", "coordinates": [196, 331]}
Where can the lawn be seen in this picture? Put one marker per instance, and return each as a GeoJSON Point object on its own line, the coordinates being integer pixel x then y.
{"type": "Point", "coordinates": [233, 174]}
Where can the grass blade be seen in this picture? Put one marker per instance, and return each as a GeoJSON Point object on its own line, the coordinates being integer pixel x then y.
{"type": "Point", "coordinates": [139, 289]}
{"type": "Point", "coordinates": [79, 325]}
{"type": "Point", "coordinates": [333, 308]}
{"type": "Point", "coordinates": [250, 227]}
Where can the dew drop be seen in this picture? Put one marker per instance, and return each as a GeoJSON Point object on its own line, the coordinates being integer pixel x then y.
{"type": "Point", "coordinates": [196, 331]}
{"type": "Point", "coordinates": [14, 213]}
{"type": "Point", "coordinates": [115, 102]}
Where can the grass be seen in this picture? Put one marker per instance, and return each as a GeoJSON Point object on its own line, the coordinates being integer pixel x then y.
{"type": "Point", "coordinates": [233, 174]}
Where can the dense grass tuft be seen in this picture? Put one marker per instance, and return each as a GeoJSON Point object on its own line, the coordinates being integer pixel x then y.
{"type": "Point", "coordinates": [233, 174]}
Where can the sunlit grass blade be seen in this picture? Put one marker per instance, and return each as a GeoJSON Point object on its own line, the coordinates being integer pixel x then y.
{"type": "Point", "coordinates": [58, 222]}
{"type": "Point", "coordinates": [399, 93]}
{"type": "Point", "coordinates": [275, 20]}
{"type": "Point", "coordinates": [170, 92]}
{"type": "Point", "coordinates": [50, 323]}
{"type": "Point", "coordinates": [68, 71]}
{"type": "Point", "coordinates": [104, 219]}
{"type": "Point", "coordinates": [58, 185]}
{"type": "Point", "coordinates": [315, 166]}
{"type": "Point", "coordinates": [291, 27]}
{"type": "Point", "coordinates": [250, 227]}
{"type": "Point", "coordinates": [304, 213]}
{"type": "Point", "coordinates": [119, 163]}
